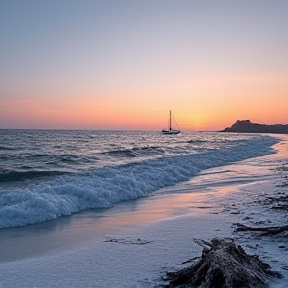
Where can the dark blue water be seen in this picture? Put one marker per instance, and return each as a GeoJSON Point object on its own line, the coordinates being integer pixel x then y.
{"type": "Point", "coordinates": [46, 174]}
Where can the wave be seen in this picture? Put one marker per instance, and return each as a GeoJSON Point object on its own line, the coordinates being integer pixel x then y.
{"type": "Point", "coordinates": [12, 175]}
{"type": "Point", "coordinates": [136, 152]}
{"type": "Point", "coordinates": [197, 141]}
{"type": "Point", "coordinates": [6, 148]}
{"type": "Point", "coordinates": [103, 187]}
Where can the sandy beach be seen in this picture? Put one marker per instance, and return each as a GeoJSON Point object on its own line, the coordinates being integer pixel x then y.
{"type": "Point", "coordinates": [134, 243]}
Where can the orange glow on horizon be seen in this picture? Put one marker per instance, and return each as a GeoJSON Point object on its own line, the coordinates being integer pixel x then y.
{"type": "Point", "coordinates": [213, 104]}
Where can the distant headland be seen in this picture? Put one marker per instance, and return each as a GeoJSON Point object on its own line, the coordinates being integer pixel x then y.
{"type": "Point", "coordinates": [245, 126]}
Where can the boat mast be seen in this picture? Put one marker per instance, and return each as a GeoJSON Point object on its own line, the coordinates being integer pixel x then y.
{"type": "Point", "coordinates": [170, 122]}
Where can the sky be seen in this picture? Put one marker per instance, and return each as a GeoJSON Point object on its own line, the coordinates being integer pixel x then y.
{"type": "Point", "coordinates": [123, 64]}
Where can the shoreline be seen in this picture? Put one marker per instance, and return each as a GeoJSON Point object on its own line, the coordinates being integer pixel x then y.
{"type": "Point", "coordinates": [166, 223]}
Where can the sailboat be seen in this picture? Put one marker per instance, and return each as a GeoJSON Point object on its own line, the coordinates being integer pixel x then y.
{"type": "Point", "coordinates": [170, 130]}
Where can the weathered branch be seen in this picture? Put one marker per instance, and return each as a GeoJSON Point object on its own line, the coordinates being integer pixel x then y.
{"type": "Point", "coordinates": [266, 230]}
{"type": "Point", "coordinates": [224, 265]}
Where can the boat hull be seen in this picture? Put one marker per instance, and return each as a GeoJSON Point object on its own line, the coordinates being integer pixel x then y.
{"type": "Point", "coordinates": [170, 132]}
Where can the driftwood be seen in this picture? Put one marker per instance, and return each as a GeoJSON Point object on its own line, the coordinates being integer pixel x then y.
{"type": "Point", "coordinates": [278, 202]}
{"type": "Point", "coordinates": [223, 265]}
{"type": "Point", "coordinates": [265, 230]}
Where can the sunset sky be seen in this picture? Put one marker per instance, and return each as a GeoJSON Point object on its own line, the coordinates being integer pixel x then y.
{"type": "Point", "coordinates": [122, 64]}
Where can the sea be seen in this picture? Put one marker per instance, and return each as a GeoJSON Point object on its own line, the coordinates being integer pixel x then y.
{"type": "Point", "coordinates": [48, 174]}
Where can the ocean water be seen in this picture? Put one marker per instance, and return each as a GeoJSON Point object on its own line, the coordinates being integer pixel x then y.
{"type": "Point", "coordinates": [46, 174]}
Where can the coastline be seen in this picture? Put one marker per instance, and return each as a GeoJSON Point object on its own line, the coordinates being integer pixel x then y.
{"type": "Point", "coordinates": [134, 243]}
{"type": "Point", "coordinates": [245, 126]}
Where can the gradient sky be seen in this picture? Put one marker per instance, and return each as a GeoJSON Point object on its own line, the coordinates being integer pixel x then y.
{"type": "Point", "coordinates": [122, 64]}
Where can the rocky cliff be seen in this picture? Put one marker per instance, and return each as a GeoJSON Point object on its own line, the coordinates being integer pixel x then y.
{"type": "Point", "coordinates": [245, 126]}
